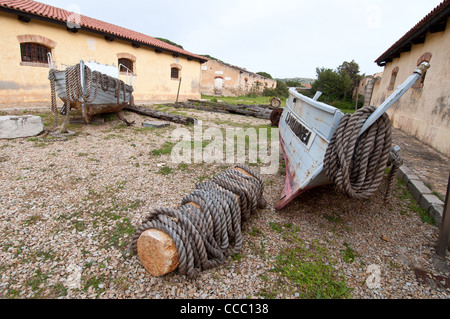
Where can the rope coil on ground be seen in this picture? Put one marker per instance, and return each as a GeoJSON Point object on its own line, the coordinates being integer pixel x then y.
{"type": "Point", "coordinates": [205, 236]}
{"type": "Point", "coordinates": [356, 165]}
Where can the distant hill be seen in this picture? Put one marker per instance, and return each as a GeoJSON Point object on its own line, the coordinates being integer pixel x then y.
{"type": "Point", "coordinates": [301, 80]}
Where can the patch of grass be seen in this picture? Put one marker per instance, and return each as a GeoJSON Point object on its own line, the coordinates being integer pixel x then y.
{"type": "Point", "coordinates": [310, 272]}
{"type": "Point", "coordinates": [438, 195]}
{"type": "Point", "coordinates": [256, 232]}
{"type": "Point", "coordinates": [236, 257]}
{"type": "Point", "coordinates": [410, 204]}
{"type": "Point", "coordinates": [32, 220]}
{"type": "Point", "coordinates": [276, 227]}
{"type": "Point", "coordinates": [349, 254]}
{"type": "Point", "coordinates": [46, 255]}
{"type": "Point", "coordinates": [304, 269]}
{"type": "Point", "coordinates": [166, 149]}
{"type": "Point", "coordinates": [333, 218]}
{"type": "Point", "coordinates": [79, 225]}
{"type": "Point", "coordinates": [96, 282]}
{"type": "Point", "coordinates": [243, 99]}
{"type": "Point", "coordinates": [115, 237]}
{"type": "Point", "coordinates": [164, 170]}
{"type": "Point", "coordinates": [36, 282]}
{"type": "Point", "coordinates": [113, 136]}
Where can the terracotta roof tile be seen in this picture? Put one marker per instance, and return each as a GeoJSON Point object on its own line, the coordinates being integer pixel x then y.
{"type": "Point", "coordinates": [57, 14]}
{"type": "Point", "coordinates": [441, 12]}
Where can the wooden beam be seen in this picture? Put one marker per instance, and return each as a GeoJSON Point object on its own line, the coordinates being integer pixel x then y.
{"type": "Point", "coordinates": [24, 18]}
{"type": "Point", "coordinates": [109, 38]}
{"type": "Point", "coordinates": [161, 115]}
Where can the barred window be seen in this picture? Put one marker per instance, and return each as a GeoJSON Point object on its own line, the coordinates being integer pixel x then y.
{"type": "Point", "coordinates": [174, 73]}
{"type": "Point", "coordinates": [124, 64]}
{"type": "Point", "coordinates": [34, 52]}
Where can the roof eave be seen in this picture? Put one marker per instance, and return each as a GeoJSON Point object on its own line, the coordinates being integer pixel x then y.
{"type": "Point", "coordinates": [409, 39]}
{"type": "Point", "coordinates": [63, 23]}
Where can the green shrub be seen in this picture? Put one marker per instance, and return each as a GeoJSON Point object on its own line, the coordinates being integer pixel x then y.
{"type": "Point", "coordinates": [281, 91]}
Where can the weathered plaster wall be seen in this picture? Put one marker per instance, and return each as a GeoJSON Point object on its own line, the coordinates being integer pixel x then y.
{"type": "Point", "coordinates": [422, 112]}
{"type": "Point", "coordinates": [235, 81]}
{"type": "Point", "coordinates": [21, 83]}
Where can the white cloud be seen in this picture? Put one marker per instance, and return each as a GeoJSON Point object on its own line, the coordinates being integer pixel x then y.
{"type": "Point", "coordinates": [285, 38]}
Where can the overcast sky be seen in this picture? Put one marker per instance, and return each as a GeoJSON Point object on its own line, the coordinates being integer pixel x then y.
{"type": "Point", "coordinates": [285, 38]}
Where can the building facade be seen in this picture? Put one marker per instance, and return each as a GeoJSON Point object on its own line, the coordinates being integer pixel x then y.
{"type": "Point", "coordinates": [222, 79]}
{"type": "Point", "coordinates": [29, 30]}
{"type": "Point", "coordinates": [424, 111]}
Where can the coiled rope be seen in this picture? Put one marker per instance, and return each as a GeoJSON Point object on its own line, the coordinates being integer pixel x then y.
{"type": "Point", "coordinates": [74, 89]}
{"type": "Point", "coordinates": [206, 235]}
{"type": "Point", "coordinates": [356, 165]}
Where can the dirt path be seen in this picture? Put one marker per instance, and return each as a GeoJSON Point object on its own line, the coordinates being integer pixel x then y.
{"type": "Point", "coordinates": [431, 166]}
{"type": "Point", "coordinates": [69, 208]}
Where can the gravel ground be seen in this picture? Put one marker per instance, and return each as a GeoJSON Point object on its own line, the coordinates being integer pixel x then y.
{"type": "Point", "coordinates": [68, 210]}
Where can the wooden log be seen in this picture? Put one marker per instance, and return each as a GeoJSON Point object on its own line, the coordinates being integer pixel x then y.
{"type": "Point", "coordinates": [157, 250]}
{"type": "Point", "coordinates": [161, 115]}
{"type": "Point", "coordinates": [258, 111]}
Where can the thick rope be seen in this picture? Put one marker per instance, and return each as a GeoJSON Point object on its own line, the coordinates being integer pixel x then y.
{"type": "Point", "coordinates": [74, 89]}
{"type": "Point", "coordinates": [205, 237]}
{"type": "Point", "coordinates": [356, 165]}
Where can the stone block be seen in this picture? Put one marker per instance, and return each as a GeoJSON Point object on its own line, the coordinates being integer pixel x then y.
{"type": "Point", "coordinates": [155, 124]}
{"type": "Point", "coordinates": [417, 188]}
{"type": "Point", "coordinates": [407, 174]}
{"type": "Point", "coordinates": [20, 126]}
{"type": "Point", "coordinates": [429, 199]}
{"type": "Point", "coordinates": [401, 174]}
{"type": "Point", "coordinates": [437, 212]}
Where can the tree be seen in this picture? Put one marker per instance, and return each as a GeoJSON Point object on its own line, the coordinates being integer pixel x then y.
{"type": "Point", "coordinates": [333, 85]}
{"type": "Point", "coordinates": [352, 70]}
{"type": "Point", "coordinates": [339, 84]}
{"type": "Point", "coordinates": [265, 74]}
{"type": "Point", "coordinates": [281, 91]}
{"type": "Point", "coordinates": [169, 42]}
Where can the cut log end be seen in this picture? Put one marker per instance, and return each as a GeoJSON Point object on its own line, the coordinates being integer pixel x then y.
{"type": "Point", "coordinates": [157, 252]}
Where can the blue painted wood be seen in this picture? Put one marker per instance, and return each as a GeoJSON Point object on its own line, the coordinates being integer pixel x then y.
{"type": "Point", "coordinates": [306, 128]}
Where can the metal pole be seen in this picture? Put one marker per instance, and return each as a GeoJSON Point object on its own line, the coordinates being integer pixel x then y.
{"type": "Point", "coordinates": [405, 86]}
{"type": "Point", "coordinates": [445, 225]}
{"type": "Point", "coordinates": [179, 85]}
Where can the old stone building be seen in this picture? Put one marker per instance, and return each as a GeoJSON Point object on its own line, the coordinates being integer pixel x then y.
{"type": "Point", "coordinates": [29, 30]}
{"type": "Point", "coordinates": [219, 78]}
{"type": "Point", "coordinates": [424, 111]}
{"type": "Point", "coordinates": [366, 87]}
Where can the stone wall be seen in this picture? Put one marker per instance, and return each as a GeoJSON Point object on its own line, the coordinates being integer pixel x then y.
{"type": "Point", "coordinates": [222, 79]}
